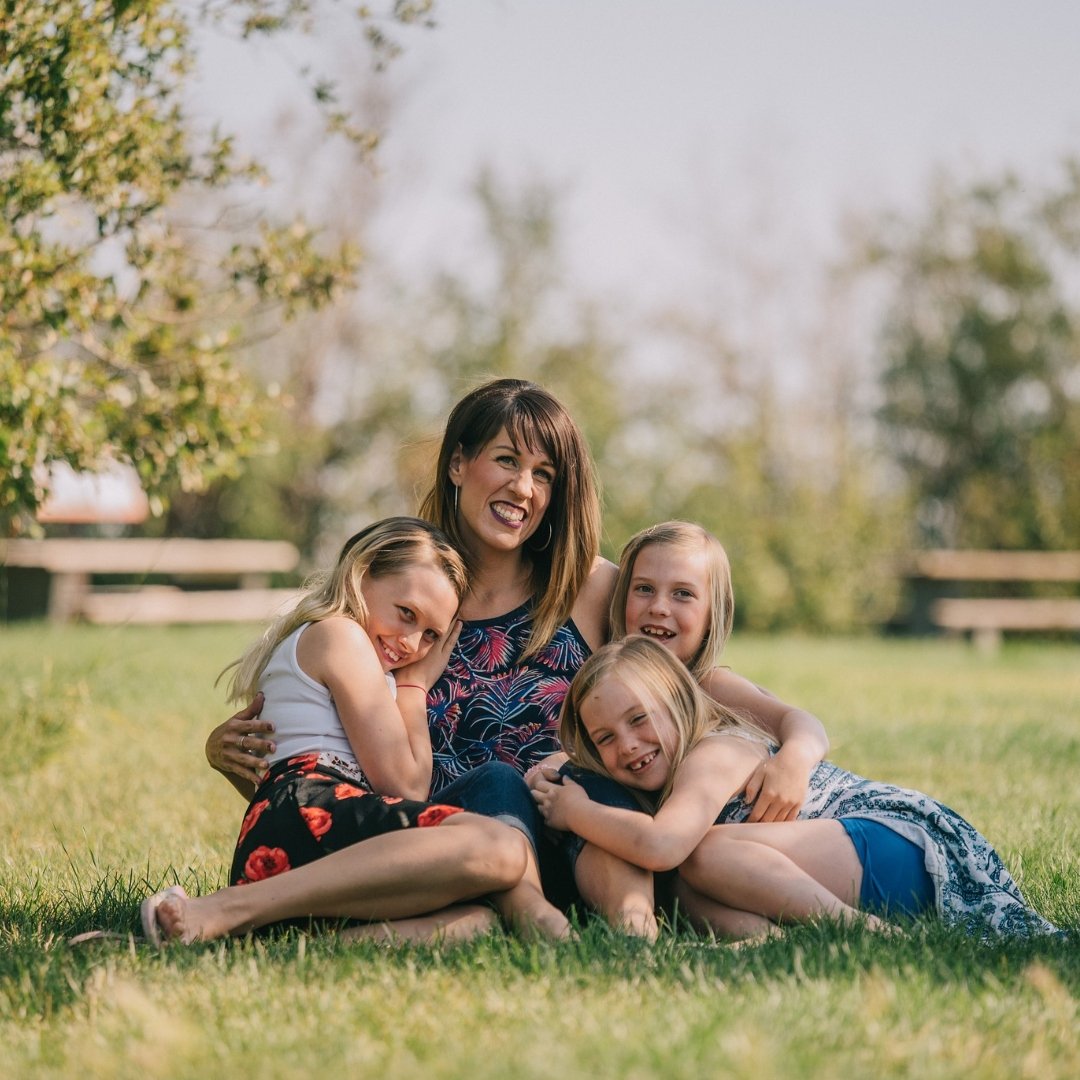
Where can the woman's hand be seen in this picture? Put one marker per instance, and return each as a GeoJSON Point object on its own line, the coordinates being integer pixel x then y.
{"type": "Point", "coordinates": [235, 747]}
{"type": "Point", "coordinates": [426, 672]}
{"type": "Point", "coordinates": [777, 788]}
{"type": "Point", "coordinates": [557, 796]}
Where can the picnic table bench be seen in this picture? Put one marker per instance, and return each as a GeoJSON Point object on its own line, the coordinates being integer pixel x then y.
{"type": "Point", "coordinates": [940, 578]}
{"type": "Point", "coordinates": [67, 565]}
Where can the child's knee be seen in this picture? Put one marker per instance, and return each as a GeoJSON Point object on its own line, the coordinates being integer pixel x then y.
{"type": "Point", "coordinates": [717, 847]}
{"type": "Point", "coordinates": [496, 855]}
{"type": "Point", "coordinates": [506, 852]}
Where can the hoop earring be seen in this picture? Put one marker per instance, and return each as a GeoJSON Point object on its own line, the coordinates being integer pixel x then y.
{"type": "Point", "coordinates": [547, 543]}
{"type": "Point", "coordinates": [457, 492]}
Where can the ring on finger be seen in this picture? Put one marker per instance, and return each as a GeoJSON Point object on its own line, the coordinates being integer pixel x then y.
{"type": "Point", "coordinates": [243, 743]}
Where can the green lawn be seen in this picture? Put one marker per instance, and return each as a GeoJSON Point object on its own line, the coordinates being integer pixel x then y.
{"type": "Point", "coordinates": [107, 796]}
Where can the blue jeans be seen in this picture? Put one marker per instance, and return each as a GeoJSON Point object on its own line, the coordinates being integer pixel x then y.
{"type": "Point", "coordinates": [600, 789]}
{"type": "Point", "coordinates": [497, 791]}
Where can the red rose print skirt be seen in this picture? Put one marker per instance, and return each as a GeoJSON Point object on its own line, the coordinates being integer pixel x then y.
{"type": "Point", "coordinates": [304, 810]}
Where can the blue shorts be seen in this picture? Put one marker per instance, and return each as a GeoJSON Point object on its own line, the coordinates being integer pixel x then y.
{"type": "Point", "coordinates": [895, 880]}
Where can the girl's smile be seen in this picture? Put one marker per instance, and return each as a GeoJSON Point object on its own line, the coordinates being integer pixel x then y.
{"type": "Point", "coordinates": [628, 736]}
{"type": "Point", "coordinates": [407, 613]}
{"type": "Point", "coordinates": [668, 599]}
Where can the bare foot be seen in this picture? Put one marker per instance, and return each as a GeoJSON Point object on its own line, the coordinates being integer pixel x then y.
{"type": "Point", "coordinates": [637, 922]}
{"type": "Point", "coordinates": [167, 916]}
{"type": "Point", "coordinates": [529, 914]}
{"type": "Point", "coordinates": [459, 923]}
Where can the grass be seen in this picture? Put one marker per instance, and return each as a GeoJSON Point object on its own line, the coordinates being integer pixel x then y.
{"type": "Point", "coordinates": [107, 796]}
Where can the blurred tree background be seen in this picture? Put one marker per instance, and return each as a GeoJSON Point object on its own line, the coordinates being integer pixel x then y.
{"type": "Point", "coordinates": [941, 405]}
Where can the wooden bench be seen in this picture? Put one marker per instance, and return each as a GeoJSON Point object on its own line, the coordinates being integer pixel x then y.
{"type": "Point", "coordinates": [937, 576]}
{"type": "Point", "coordinates": [69, 565]}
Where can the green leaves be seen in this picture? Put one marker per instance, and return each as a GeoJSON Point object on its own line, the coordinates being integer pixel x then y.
{"type": "Point", "coordinates": [980, 403]}
{"type": "Point", "coordinates": [118, 323]}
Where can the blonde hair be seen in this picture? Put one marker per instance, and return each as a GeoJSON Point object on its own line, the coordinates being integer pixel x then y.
{"type": "Point", "coordinates": [663, 683]}
{"type": "Point", "coordinates": [567, 541]}
{"type": "Point", "coordinates": [390, 546]}
{"type": "Point", "coordinates": [721, 597]}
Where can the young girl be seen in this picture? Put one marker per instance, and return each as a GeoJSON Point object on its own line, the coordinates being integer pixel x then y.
{"type": "Point", "coordinates": [674, 586]}
{"type": "Point", "coordinates": [339, 805]}
{"type": "Point", "coordinates": [635, 713]}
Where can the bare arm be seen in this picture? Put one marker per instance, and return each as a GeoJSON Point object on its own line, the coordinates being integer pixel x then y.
{"type": "Point", "coordinates": [590, 611]}
{"type": "Point", "coordinates": [391, 744]}
{"type": "Point", "coordinates": [778, 787]}
{"type": "Point", "coordinates": [712, 773]}
{"type": "Point", "coordinates": [237, 751]}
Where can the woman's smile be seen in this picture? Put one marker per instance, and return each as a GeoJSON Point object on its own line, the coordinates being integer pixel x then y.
{"type": "Point", "coordinates": [503, 491]}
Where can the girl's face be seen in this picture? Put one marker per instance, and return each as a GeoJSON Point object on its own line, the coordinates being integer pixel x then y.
{"type": "Point", "coordinates": [408, 612]}
{"type": "Point", "coordinates": [668, 598]}
{"type": "Point", "coordinates": [503, 492]}
{"type": "Point", "coordinates": [633, 739]}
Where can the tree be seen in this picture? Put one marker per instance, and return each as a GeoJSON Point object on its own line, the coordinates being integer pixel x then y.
{"type": "Point", "coordinates": [121, 310]}
{"type": "Point", "coordinates": [981, 395]}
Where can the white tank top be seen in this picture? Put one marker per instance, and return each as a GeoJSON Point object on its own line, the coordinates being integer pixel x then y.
{"type": "Point", "coordinates": [302, 710]}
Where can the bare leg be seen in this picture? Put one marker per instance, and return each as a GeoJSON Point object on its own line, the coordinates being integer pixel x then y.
{"type": "Point", "coordinates": [706, 914]}
{"type": "Point", "coordinates": [526, 910]}
{"type": "Point", "coordinates": [395, 876]}
{"type": "Point", "coordinates": [783, 870]}
{"type": "Point", "coordinates": [458, 923]}
{"type": "Point", "coordinates": [620, 891]}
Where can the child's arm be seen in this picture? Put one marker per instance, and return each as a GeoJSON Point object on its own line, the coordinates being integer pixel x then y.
{"type": "Point", "coordinates": [391, 744]}
{"type": "Point", "coordinates": [778, 787]}
{"type": "Point", "coordinates": [714, 771]}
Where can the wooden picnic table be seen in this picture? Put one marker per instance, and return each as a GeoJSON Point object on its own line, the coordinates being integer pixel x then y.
{"type": "Point", "coordinates": [69, 565]}
{"type": "Point", "coordinates": [941, 578]}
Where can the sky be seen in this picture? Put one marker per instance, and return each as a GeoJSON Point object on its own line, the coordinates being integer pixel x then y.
{"type": "Point", "coordinates": [649, 115]}
{"type": "Point", "coordinates": [673, 129]}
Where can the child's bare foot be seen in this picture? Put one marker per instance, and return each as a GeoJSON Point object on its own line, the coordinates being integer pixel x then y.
{"type": "Point", "coordinates": [636, 921]}
{"type": "Point", "coordinates": [529, 914]}
{"type": "Point", "coordinates": [459, 923]}
{"type": "Point", "coordinates": [168, 916]}
{"type": "Point", "coordinates": [883, 926]}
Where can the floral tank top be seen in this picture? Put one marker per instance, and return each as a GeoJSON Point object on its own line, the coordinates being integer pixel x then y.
{"type": "Point", "coordinates": [490, 706]}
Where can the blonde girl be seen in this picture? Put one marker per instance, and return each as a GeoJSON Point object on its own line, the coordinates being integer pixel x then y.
{"type": "Point", "coordinates": [336, 828]}
{"type": "Point", "coordinates": [636, 715]}
{"type": "Point", "coordinates": [674, 585]}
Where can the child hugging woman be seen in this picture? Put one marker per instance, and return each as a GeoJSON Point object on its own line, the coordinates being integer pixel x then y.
{"type": "Point", "coordinates": [338, 827]}
{"type": "Point", "coordinates": [674, 585]}
{"type": "Point", "coordinates": [637, 715]}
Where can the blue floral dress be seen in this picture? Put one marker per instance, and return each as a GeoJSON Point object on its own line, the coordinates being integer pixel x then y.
{"type": "Point", "coordinates": [971, 883]}
{"type": "Point", "coordinates": [489, 705]}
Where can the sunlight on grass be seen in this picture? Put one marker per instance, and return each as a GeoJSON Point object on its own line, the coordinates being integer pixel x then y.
{"type": "Point", "coordinates": [108, 796]}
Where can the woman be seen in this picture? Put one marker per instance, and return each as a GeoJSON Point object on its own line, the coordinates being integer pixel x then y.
{"type": "Point", "coordinates": [515, 489]}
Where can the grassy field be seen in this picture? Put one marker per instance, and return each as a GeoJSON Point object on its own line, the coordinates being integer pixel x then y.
{"type": "Point", "coordinates": [107, 796]}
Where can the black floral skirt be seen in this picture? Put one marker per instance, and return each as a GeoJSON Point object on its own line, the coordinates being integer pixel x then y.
{"type": "Point", "coordinates": [305, 809]}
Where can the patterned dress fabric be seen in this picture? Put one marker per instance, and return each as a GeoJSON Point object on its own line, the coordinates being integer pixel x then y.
{"type": "Point", "coordinates": [304, 809]}
{"type": "Point", "coordinates": [972, 886]}
{"type": "Point", "coordinates": [490, 706]}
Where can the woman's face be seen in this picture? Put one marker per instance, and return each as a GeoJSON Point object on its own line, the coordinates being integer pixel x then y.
{"type": "Point", "coordinates": [668, 599]}
{"type": "Point", "coordinates": [632, 738]}
{"type": "Point", "coordinates": [503, 493]}
{"type": "Point", "coordinates": [408, 612]}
